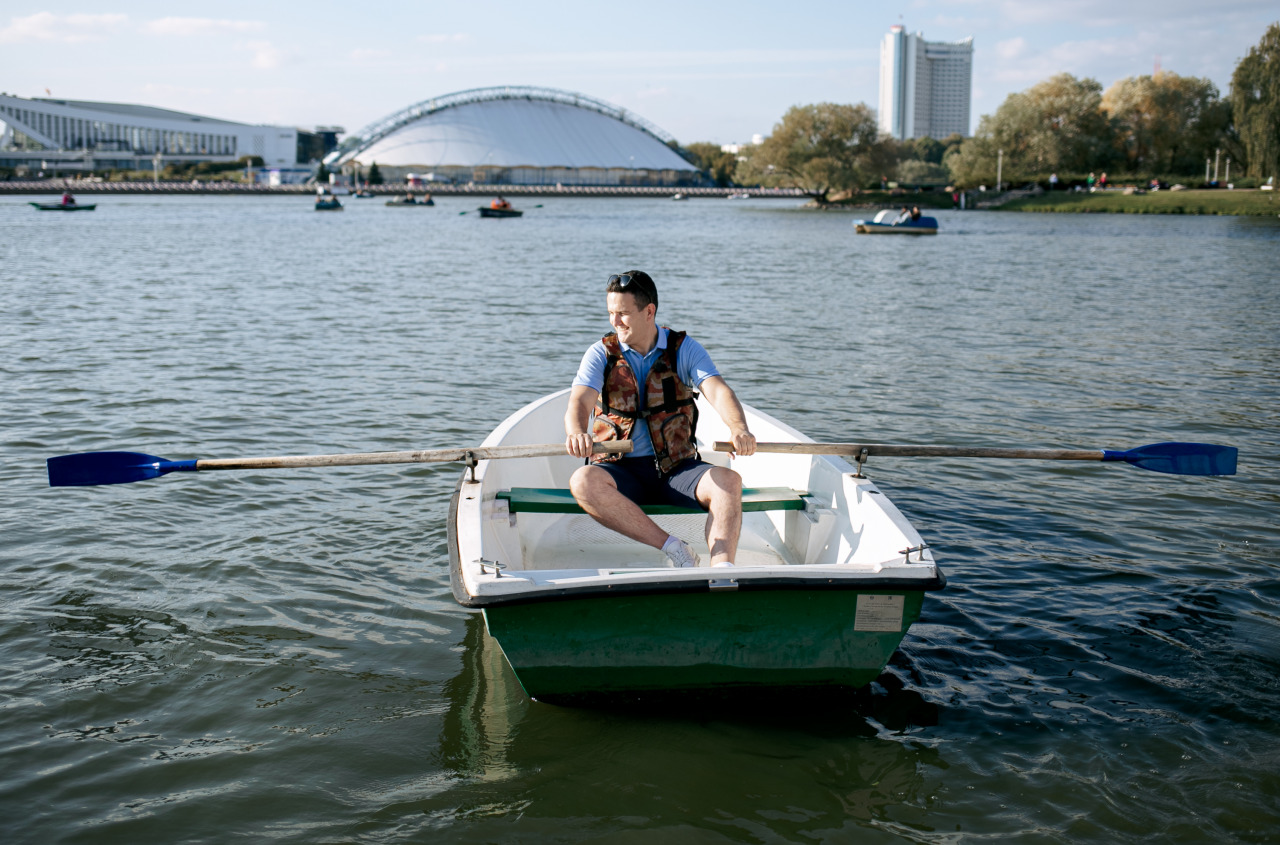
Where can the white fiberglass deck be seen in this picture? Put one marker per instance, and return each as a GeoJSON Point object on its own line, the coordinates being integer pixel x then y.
{"type": "Point", "coordinates": [847, 529]}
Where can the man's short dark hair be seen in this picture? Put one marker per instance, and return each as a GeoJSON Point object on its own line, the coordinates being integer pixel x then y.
{"type": "Point", "coordinates": [638, 285]}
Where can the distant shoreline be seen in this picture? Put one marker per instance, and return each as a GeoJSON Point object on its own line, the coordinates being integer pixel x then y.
{"type": "Point", "coordinates": [1240, 203]}
{"type": "Point", "coordinates": [49, 187]}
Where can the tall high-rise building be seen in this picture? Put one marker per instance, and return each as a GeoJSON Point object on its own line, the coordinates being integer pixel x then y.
{"type": "Point", "coordinates": [925, 86]}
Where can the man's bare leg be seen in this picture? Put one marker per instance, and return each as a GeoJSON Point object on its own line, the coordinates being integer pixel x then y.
{"type": "Point", "coordinates": [720, 492]}
{"type": "Point", "coordinates": [597, 493]}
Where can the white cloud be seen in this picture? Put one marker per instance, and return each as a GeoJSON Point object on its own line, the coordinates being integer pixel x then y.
{"type": "Point", "coordinates": [1012, 48]}
{"type": "Point", "coordinates": [1104, 59]}
{"type": "Point", "coordinates": [444, 39]}
{"type": "Point", "coordinates": [185, 27]}
{"type": "Point", "coordinates": [266, 56]}
{"type": "Point", "coordinates": [68, 29]}
{"type": "Point", "coordinates": [365, 55]}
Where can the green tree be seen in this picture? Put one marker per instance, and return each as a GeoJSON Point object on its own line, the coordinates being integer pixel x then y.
{"type": "Point", "coordinates": [1255, 104]}
{"type": "Point", "coordinates": [819, 149]}
{"type": "Point", "coordinates": [1057, 124]}
{"type": "Point", "coordinates": [954, 141]}
{"type": "Point", "coordinates": [714, 162]}
{"type": "Point", "coordinates": [916, 171]}
{"type": "Point", "coordinates": [924, 149]}
{"type": "Point", "coordinates": [375, 175]}
{"type": "Point", "coordinates": [1166, 123]}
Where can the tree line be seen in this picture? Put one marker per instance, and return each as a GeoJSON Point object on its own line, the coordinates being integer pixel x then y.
{"type": "Point", "coordinates": [1163, 125]}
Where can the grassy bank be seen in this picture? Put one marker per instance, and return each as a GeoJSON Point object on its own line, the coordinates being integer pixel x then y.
{"type": "Point", "coordinates": [1241, 203]}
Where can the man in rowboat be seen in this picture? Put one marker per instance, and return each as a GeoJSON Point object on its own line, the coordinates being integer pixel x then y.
{"type": "Point", "coordinates": [645, 373]}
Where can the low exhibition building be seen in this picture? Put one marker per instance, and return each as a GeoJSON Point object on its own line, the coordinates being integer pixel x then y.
{"type": "Point", "coordinates": [61, 137]}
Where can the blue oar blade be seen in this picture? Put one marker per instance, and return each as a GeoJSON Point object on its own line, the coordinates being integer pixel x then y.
{"type": "Point", "coordinates": [1180, 458]}
{"type": "Point", "coordinates": [91, 468]}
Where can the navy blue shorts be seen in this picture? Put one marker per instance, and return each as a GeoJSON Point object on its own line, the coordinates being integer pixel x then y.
{"type": "Point", "coordinates": [639, 481]}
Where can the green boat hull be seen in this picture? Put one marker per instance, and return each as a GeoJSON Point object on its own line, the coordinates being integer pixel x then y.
{"type": "Point", "coordinates": [702, 640]}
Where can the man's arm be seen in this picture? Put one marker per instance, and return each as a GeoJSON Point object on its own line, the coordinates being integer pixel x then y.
{"type": "Point", "coordinates": [577, 420]}
{"type": "Point", "coordinates": [726, 403]}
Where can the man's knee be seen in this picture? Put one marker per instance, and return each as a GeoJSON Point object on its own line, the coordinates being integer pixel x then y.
{"type": "Point", "coordinates": [723, 486]}
{"type": "Point", "coordinates": [587, 480]}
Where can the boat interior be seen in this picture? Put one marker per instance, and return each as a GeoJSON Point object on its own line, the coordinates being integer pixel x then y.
{"type": "Point", "coordinates": [799, 509]}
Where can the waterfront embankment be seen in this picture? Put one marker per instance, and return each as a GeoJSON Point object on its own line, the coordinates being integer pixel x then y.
{"type": "Point", "coordinates": [85, 186]}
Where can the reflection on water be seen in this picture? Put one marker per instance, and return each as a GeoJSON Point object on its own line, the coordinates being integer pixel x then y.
{"type": "Point", "coordinates": [755, 757]}
{"type": "Point", "coordinates": [486, 706]}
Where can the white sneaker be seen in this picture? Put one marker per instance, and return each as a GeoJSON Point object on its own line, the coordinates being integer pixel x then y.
{"type": "Point", "coordinates": [681, 554]}
{"type": "Point", "coordinates": [722, 563]}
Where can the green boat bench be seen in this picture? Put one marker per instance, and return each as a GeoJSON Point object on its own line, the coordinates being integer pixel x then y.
{"type": "Point", "coordinates": [559, 500]}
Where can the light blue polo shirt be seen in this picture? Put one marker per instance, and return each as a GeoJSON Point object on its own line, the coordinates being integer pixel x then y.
{"type": "Point", "coordinates": [693, 366]}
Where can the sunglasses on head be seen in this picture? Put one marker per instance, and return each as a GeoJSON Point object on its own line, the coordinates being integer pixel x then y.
{"type": "Point", "coordinates": [624, 280]}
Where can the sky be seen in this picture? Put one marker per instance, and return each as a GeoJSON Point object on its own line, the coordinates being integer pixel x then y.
{"type": "Point", "coordinates": [717, 72]}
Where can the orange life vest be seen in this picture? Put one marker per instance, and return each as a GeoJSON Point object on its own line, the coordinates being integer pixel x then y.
{"type": "Point", "coordinates": [669, 408]}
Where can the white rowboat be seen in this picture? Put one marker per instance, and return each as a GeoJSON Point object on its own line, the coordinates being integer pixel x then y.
{"type": "Point", "coordinates": [823, 591]}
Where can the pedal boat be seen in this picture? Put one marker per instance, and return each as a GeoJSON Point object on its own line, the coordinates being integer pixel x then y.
{"type": "Point", "coordinates": [329, 204]}
{"type": "Point", "coordinates": [883, 225]}
{"type": "Point", "coordinates": [829, 574]}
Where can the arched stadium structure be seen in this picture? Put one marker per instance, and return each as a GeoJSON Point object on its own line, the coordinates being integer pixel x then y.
{"type": "Point", "coordinates": [518, 136]}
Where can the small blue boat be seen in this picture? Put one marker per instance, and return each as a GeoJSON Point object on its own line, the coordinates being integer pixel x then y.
{"type": "Point", "coordinates": [883, 225]}
{"type": "Point", "coordinates": [58, 206]}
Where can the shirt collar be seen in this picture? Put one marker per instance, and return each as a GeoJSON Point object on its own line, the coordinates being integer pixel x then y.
{"type": "Point", "coordinates": [661, 344]}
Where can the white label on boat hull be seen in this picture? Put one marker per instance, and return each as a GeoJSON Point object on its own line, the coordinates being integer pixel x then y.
{"type": "Point", "coordinates": [878, 613]}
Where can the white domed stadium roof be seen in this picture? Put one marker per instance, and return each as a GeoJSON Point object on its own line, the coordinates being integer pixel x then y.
{"type": "Point", "coordinates": [512, 127]}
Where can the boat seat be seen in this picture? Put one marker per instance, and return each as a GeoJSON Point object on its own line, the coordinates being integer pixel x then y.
{"type": "Point", "coordinates": [560, 500]}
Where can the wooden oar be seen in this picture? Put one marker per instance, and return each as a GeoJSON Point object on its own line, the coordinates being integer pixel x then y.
{"type": "Point", "coordinates": [86, 469]}
{"type": "Point", "coordinates": [1175, 458]}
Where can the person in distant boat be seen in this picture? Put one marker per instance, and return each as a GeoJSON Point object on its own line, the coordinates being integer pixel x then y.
{"type": "Point", "coordinates": [903, 216]}
{"type": "Point", "coordinates": [915, 213]}
{"type": "Point", "coordinates": [638, 383]}
{"type": "Point", "coordinates": [500, 203]}
{"type": "Point", "coordinates": [409, 197]}
{"type": "Point", "coordinates": [67, 199]}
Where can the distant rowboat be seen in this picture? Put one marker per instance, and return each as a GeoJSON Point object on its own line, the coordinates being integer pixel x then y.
{"type": "Point", "coordinates": [486, 211]}
{"type": "Point", "coordinates": [57, 206]}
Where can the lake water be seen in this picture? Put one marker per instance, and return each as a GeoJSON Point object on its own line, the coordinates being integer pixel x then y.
{"type": "Point", "coordinates": [276, 656]}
